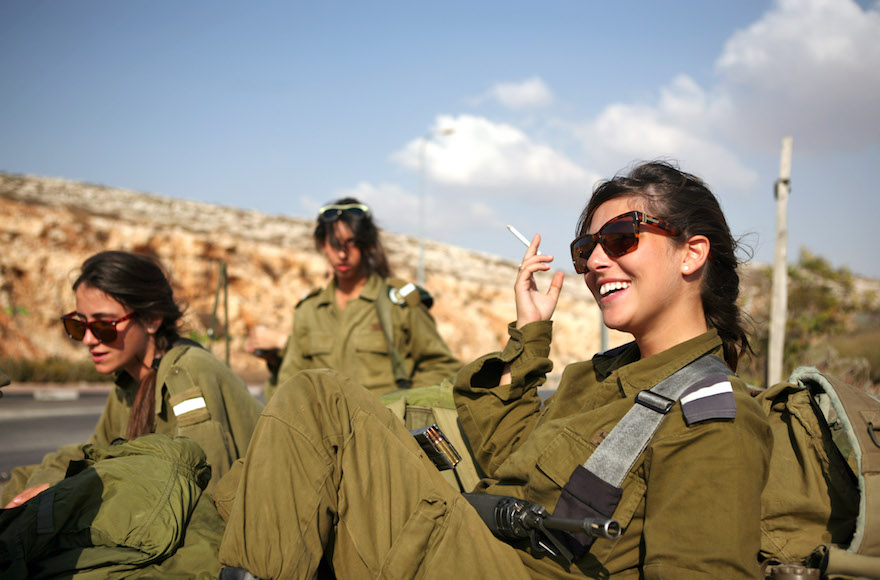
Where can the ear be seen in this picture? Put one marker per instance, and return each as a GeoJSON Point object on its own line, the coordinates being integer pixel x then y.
{"type": "Point", "coordinates": [695, 255]}
{"type": "Point", "coordinates": [152, 324]}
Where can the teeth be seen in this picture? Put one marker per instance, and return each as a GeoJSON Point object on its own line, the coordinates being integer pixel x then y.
{"type": "Point", "coordinates": [606, 289]}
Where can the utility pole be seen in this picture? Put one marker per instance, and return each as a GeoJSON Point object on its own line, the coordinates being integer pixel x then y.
{"type": "Point", "coordinates": [423, 178]}
{"type": "Point", "coordinates": [779, 297]}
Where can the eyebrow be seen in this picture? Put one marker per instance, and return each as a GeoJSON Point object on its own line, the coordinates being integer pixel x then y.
{"type": "Point", "coordinates": [101, 315]}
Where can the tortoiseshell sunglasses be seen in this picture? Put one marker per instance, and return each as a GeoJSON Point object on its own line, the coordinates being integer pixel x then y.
{"type": "Point", "coordinates": [619, 236]}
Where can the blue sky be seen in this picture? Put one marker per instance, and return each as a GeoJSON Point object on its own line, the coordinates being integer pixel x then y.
{"type": "Point", "coordinates": [282, 106]}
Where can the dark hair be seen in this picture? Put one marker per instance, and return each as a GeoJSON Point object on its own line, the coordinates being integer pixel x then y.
{"type": "Point", "coordinates": [685, 200]}
{"type": "Point", "coordinates": [366, 238]}
{"type": "Point", "coordinates": [138, 283]}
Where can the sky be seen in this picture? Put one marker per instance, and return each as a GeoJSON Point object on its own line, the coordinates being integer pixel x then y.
{"type": "Point", "coordinates": [487, 113]}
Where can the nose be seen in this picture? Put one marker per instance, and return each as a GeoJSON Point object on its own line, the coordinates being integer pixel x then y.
{"type": "Point", "coordinates": [598, 259]}
{"type": "Point", "coordinates": [89, 339]}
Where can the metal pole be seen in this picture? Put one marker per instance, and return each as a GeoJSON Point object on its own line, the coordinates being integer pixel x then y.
{"type": "Point", "coordinates": [420, 275]}
{"type": "Point", "coordinates": [423, 178]}
{"type": "Point", "coordinates": [225, 307]}
{"type": "Point", "coordinates": [779, 297]}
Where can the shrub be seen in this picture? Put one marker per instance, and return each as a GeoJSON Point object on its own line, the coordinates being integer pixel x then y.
{"type": "Point", "coordinates": [53, 369]}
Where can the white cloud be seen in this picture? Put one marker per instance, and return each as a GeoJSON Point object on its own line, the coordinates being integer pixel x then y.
{"type": "Point", "coordinates": [483, 154]}
{"type": "Point", "coordinates": [678, 126]}
{"type": "Point", "coordinates": [807, 68]}
{"type": "Point", "coordinates": [529, 93]}
{"type": "Point", "coordinates": [447, 214]}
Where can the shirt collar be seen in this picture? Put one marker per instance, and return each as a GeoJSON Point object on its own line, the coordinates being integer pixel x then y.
{"type": "Point", "coordinates": [370, 291]}
{"type": "Point", "coordinates": [637, 375]}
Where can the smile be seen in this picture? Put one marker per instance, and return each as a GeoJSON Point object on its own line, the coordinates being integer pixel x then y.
{"type": "Point", "coordinates": [606, 289]}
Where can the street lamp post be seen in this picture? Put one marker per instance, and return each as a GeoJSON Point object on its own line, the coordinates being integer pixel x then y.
{"type": "Point", "coordinates": [423, 177]}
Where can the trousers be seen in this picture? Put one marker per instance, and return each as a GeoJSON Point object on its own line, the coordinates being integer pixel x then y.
{"type": "Point", "coordinates": [332, 472]}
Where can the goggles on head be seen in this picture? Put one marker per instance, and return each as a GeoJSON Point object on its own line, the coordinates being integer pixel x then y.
{"type": "Point", "coordinates": [331, 213]}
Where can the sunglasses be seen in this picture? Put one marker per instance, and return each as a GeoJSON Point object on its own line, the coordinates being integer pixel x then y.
{"type": "Point", "coordinates": [331, 213]}
{"type": "Point", "coordinates": [103, 330]}
{"type": "Point", "coordinates": [619, 236]}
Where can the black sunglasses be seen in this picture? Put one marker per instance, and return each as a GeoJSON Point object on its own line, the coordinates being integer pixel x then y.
{"type": "Point", "coordinates": [619, 236]}
{"type": "Point", "coordinates": [331, 213]}
{"type": "Point", "coordinates": [103, 330]}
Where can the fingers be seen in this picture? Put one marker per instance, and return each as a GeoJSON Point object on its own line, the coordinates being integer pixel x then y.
{"type": "Point", "coordinates": [531, 303]}
{"type": "Point", "coordinates": [264, 338]}
{"type": "Point", "coordinates": [26, 495]}
{"type": "Point", "coordinates": [532, 264]}
{"type": "Point", "coordinates": [556, 286]}
{"type": "Point", "coordinates": [533, 247]}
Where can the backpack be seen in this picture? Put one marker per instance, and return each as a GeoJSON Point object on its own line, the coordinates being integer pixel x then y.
{"type": "Point", "coordinates": [129, 509]}
{"type": "Point", "coordinates": [821, 504]}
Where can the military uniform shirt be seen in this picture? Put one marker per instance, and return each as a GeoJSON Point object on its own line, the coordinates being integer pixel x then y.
{"type": "Point", "coordinates": [691, 505]}
{"type": "Point", "coordinates": [352, 342]}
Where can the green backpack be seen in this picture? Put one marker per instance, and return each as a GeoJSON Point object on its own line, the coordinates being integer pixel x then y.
{"type": "Point", "coordinates": [132, 509]}
{"type": "Point", "coordinates": [821, 504]}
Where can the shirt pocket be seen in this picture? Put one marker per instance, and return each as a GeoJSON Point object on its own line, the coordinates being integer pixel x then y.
{"type": "Point", "coordinates": [316, 345]}
{"type": "Point", "coordinates": [373, 359]}
{"type": "Point", "coordinates": [558, 461]}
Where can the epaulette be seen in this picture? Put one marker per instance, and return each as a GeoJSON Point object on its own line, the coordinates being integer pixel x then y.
{"type": "Point", "coordinates": [311, 294]}
{"type": "Point", "coordinates": [710, 398]}
{"type": "Point", "coordinates": [405, 293]}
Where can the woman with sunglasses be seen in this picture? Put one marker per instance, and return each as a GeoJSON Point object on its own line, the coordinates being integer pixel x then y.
{"type": "Point", "coordinates": [342, 326]}
{"type": "Point", "coordinates": [128, 319]}
{"type": "Point", "coordinates": [657, 254]}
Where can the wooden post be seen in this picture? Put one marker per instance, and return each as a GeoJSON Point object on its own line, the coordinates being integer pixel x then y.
{"type": "Point", "coordinates": [779, 297]}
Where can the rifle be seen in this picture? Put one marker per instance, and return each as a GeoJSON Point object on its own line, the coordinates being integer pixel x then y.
{"type": "Point", "coordinates": [512, 518]}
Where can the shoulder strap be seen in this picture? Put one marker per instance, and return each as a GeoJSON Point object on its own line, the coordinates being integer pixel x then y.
{"type": "Point", "coordinates": [383, 310]}
{"type": "Point", "coordinates": [618, 452]}
{"type": "Point", "coordinates": [405, 293]}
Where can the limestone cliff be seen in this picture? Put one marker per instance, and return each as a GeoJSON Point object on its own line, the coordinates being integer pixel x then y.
{"type": "Point", "coordinates": [50, 226]}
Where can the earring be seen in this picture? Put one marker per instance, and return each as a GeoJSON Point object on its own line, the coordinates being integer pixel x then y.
{"type": "Point", "coordinates": [686, 268]}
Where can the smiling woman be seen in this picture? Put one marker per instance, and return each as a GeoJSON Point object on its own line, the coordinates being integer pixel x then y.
{"type": "Point", "coordinates": [127, 317]}
{"type": "Point", "coordinates": [659, 434]}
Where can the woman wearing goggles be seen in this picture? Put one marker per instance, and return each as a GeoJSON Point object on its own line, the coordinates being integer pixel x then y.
{"type": "Point", "coordinates": [127, 318]}
{"type": "Point", "coordinates": [340, 326]}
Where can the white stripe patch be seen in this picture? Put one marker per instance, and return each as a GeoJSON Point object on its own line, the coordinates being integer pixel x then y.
{"type": "Point", "coordinates": [189, 405]}
{"type": "Point", "coordinates": [406, 290]}
{"type": "Point", "coordinates": [709, 391]}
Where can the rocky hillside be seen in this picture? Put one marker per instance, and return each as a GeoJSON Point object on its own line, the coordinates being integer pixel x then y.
{"type": "Point", "coordinates": [50, 226]}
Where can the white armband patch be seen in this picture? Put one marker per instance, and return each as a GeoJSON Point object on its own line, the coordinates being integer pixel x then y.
{"type": "Point", "coordinates": [711, 398]}
{"type": "Point", "coordinates": [189, 405]}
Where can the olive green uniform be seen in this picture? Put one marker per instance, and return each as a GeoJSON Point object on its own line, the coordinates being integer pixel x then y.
{"type": "Point", "coordinates": [331, 469]}
{"type": "Point", "coordinates": [691, 505]}
{"type": "Point", "coordinates": [197, 396]}
{"type": "Point", "coordinates": [352, 341]}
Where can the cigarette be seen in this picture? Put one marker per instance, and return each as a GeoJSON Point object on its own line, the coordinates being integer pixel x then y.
{"type": "Point", "coordinates": [519, 236]}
